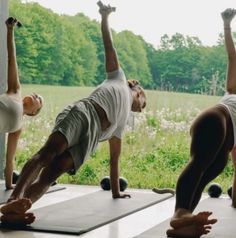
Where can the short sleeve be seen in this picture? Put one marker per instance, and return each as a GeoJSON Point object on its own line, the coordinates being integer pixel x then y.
{"type": "Point", "coordinates": [117, 74]}
{"type": "Point", "coordinates": [118, 132]}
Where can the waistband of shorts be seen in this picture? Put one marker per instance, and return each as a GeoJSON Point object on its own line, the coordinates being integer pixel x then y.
{"type": "Point", "coordinates": [92, 109]}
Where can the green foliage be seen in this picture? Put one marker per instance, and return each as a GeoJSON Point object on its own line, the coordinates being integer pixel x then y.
{"type": "Point", "coordinates": [68, 50]}
{"type": "Point", "coordinates": [131, 48]}
{"type": "Point", "coordinates": [154, 151]}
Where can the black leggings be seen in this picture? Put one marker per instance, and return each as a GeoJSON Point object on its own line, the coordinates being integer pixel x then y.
{"type": "Point", "coordinates": [212, 141]}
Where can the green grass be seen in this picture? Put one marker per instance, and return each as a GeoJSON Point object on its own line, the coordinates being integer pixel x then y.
{"type": "Point", "coordinates": [154, 151]}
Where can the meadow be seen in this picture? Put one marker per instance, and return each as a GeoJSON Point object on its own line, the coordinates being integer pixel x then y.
{"type": "Point", "coordinates": [155, 145]}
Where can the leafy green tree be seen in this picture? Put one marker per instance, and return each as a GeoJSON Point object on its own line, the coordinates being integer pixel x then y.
{"type": "Point", "coordinates": [133, 56]}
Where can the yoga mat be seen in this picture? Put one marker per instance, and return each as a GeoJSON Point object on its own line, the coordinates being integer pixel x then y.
{"type": "Point", "coordinates": [222, 210]}
{"type": "Point", "coordinates": [5, 194]}
{"type": "Point", "coordinates": [87, 212]}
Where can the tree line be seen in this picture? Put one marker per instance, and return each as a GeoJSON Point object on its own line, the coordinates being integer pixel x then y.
{"type": "Point", "coordinates": [68, 50]}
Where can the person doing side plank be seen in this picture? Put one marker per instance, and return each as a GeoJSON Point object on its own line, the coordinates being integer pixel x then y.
{"type": "Point", "coordinates": [78, 129]}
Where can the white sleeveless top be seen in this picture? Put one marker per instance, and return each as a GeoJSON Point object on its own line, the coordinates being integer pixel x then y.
{"type": "Point", "coordinates": [11, 113]}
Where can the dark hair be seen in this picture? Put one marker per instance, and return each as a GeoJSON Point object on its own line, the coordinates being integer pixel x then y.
{"type": "Point", "coordinates": [133, 84]}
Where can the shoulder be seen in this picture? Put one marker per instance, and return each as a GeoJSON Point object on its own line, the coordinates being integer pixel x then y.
{"type": "Point", "coordinates": [116, 74]}
{"type": "Point", "coordinates": [16, 96]}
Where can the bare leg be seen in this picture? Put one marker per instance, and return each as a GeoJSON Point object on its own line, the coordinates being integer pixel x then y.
{"type": "Point", "coordinates": [49, 174]}
{"type": "Point", "coordinates": [211, 173]}
{"type": "Point", "coordinates": [55, 145]}
{"type": "Point", "coordinates": [208, 136]}
{"type": "Point", "coordinates": [14, 212]}
{"type": "Point", "coordinates": [211, 132]}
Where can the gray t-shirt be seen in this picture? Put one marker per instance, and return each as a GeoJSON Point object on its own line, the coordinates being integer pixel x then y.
{"type": "Point", "coordinates": [114, 96]}
{"type": "Point", "coordinates": [11, 113]}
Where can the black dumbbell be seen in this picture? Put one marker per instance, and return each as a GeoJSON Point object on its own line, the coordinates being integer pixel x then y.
{"type": "Point", "coordinates": [123, 183]}
{"type": "Point", "coordinates": [214, 190]}
{"type": "Point", "coordinates": [15, 176]}
{"type": "Point", "coordinates": [229, 191]}
{"type": "Point", "coordinates": [105, 183]}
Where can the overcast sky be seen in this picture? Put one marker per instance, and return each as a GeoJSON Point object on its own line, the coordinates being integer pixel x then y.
{"type": "Point", "coordinates": [153, 18]}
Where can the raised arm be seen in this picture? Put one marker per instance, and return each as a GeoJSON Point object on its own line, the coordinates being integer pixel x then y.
{"type": "Point", "coordinates": [115, 150]}
{"type": "Point", "coordinates": [227, 17]}
{"type": "Point", "coordinates": [111, 59]}
{"type": "Point", "coordinates": [12, 78]}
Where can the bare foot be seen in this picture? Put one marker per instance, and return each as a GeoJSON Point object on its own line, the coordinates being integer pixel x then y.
{"type": "Point", "coordinates": [186, 220]}
{"type": "Point", "coordinates": [18, 219]}
{"type": "Point", "coordinates": [16, 206]}
{"type": "Point", "coordinates": [189, 231]}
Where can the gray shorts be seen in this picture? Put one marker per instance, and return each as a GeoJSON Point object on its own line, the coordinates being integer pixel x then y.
{"type": "Point", "coordinates": [81, 126]}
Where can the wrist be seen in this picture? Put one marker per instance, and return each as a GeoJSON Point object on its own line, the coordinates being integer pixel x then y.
{"type": "Point", "coordinates": [115, 195]}
{"type": "Point", "coordinates": [226, 26]}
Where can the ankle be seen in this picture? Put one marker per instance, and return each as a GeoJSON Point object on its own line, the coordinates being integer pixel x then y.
{"type": "Point", "coordinates": [180, 212]}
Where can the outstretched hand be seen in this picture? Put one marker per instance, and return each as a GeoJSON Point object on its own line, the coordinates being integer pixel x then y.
{"type": "Point", "coordinates": [105, 10]}
{"type": "Point", "coordinates": [228, 15]}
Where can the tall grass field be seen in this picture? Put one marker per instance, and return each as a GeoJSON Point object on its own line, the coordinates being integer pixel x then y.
{"type": "Point", "coordinates": [155, 146]}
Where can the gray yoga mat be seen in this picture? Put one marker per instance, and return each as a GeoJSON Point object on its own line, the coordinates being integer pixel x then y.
{"type": "Point", "coordinates": [85, 213]}
{"type": "Point", "coordinates": [5, 194]}
{"type": "Point", "coordinates": [222, 210]}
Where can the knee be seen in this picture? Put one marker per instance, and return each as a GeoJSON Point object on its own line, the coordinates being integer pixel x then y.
{"type": "Point", "coordinates": [63, 163]}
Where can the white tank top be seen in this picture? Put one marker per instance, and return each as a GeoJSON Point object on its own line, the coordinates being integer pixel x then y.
{"type": "Point", "coordinates": [11, 113]}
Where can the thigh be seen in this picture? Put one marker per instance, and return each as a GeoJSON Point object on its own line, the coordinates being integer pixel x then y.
{"type": "Point", "coordinates": [209, 135]}
{"type": "Point", "coordinates": [60, 165]}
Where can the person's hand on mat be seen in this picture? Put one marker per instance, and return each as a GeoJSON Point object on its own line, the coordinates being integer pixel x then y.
{"type": "Point", "coordinates": [124, 195]}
